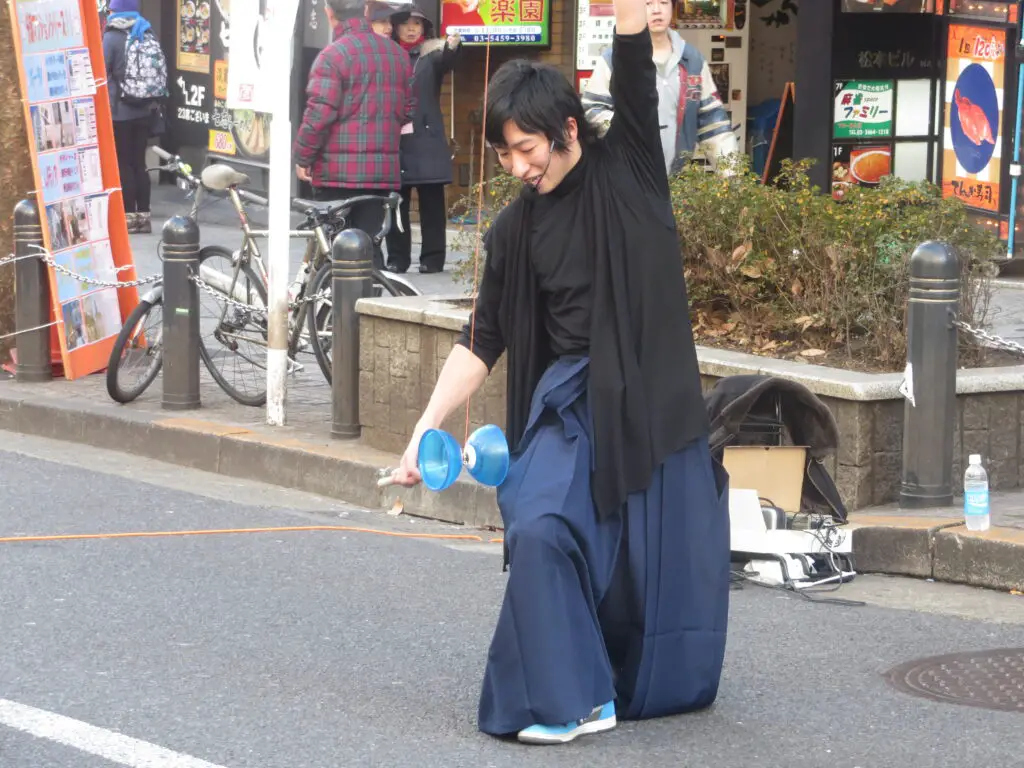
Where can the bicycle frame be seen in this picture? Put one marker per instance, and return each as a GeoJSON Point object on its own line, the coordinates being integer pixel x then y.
{"type": "Point", "coordinates": [317, 250]}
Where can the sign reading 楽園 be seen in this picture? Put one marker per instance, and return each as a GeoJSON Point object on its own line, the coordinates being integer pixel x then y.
{"type": "Point", "coordinates": [498, 22]}
{"type": "Point", "coordinates": [972, 145]}
{"type": "Point", "coordinates": [862, 109]}
{"type": "Point", "coordinates": [71, 141]}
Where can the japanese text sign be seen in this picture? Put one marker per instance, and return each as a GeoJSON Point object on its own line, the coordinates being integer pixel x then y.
{"type": "Point", "coordinates": [74, 162]}
{"type": "Point", "coordinates": [972, 157]}
{"type": "Point", "coordinates": [499, 22]}
{"type": "Point", "coordinates": [862, 109]}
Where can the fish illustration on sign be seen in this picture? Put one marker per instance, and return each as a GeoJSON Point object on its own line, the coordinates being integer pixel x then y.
{"type": "Point", "coordinates": [973, 121]}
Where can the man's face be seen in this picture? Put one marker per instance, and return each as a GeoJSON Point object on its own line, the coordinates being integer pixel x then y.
{"type": "Point", "coordinates": [659, 14]}
{"type": "Point", "coordinates": [332, 20]}
{"type": "Point", "coordinates": [382, 28]}
{"type": "Point", "coordinates": [410, 31]}
{"type": "Point", "coordinates": [530, 157]}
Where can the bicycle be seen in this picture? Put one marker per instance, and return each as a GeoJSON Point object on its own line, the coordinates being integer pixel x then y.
{"type": "Point", "coordinates": [244, 307]}
{"type": "Point", "coordinates": [241, 325]}
{"type": "Point", "coordinates": [135, 342]}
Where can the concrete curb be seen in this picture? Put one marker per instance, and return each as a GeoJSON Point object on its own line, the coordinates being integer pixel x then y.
{"type": "Point", "coordinates": [928, 545]}
{"type": "Point", "coordinates": [939, 548]}
{"type": "Point", "coordinates": [341, 470]}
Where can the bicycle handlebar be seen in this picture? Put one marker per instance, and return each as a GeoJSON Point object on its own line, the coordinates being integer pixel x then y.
{"type": "Point", "coordinates": [177, 165]}
{"type": "Point", "coordinates": [314, 215]}
{"type": "Point", "coordinates": [318, 215]}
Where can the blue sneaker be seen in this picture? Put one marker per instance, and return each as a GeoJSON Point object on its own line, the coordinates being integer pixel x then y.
{"type": "Point", "coordinates": [601, 719]}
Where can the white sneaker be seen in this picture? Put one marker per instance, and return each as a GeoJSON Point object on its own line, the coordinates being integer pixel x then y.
{"type": "Point", "coordinates": [601, 719]}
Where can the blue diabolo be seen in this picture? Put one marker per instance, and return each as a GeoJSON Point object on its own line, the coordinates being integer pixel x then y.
{"type": "Point", "coordinates": [485, 456]}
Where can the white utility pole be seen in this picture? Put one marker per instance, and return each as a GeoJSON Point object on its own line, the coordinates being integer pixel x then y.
{"type": "Point", "coordinates": [279, 28]}
{"type": "Point", "coordinates": [259, 78]}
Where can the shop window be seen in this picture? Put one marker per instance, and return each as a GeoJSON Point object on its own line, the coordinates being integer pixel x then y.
{"type": "Point", "coordinates": [914, 100]}
{"type": "Point", "coordinates": [910, 160]}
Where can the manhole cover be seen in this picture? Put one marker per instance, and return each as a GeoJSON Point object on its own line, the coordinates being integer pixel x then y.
{"type": "Point", "coordinates": [989, 679]}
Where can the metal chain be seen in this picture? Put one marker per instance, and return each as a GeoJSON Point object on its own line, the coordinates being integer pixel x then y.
{"type": "Point", "coordinates": [988, 339]}
{"type": "Point", "coordinates": [12, 258]}
{"type": "Point", "coordinates": [262, 311]}
{"type": "Point", "coordinates": [29, 330]}
{"type": "Point", "coordinates": [93, 281]}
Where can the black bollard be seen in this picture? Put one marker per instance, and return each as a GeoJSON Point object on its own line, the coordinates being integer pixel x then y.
{"type": "Point", "coordinates": [351, 280]}
{"type": "Point", "coordinates": [31, 297]}
{"type": "Point", "coordinates": [929, 422]}
{"type": "Point", "coordinates": [181, 314]}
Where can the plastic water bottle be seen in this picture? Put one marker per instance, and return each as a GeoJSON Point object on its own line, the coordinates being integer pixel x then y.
{"type": "Point", "coordinates": [976, 513]}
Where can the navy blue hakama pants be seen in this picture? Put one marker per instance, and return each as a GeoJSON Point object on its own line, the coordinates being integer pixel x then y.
{"type": "Point", "coordinates": [633, 607]}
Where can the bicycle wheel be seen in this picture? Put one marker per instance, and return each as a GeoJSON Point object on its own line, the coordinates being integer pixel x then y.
{"type": "Point", "coordinates": [321, 312]}
{"type": "Point", "coordinates": [233, 335]}
{"type": "Point", "coordinates": [396, 285]}
{"type": "Point", "coordinates": [139, 347]}
{"type": "Point", "coordinates": [319, 318]}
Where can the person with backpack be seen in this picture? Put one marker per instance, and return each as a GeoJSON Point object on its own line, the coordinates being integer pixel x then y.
{"type": "Point", "coordinates": [137, 84]}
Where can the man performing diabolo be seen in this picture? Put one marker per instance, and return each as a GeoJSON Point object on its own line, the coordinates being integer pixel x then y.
{"type": "Point", "coordinates": [616, 519]}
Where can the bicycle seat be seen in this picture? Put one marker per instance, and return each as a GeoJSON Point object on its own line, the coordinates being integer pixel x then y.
{"type": "Point", "coordinates": [220, 177]}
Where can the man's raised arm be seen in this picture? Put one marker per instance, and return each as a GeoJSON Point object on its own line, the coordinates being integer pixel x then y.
{"type": "Point", "coordinates": [635, 132]}
{"type": "Point", "coordinates": [630, 16]}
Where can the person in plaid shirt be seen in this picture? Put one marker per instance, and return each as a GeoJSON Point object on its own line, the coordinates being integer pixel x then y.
{"type": "Point", "coordinates": [359, 97]}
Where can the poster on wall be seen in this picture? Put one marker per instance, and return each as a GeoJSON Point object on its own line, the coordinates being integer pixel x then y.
{"type": "Point", "coordinates": [241, 134]}
{"type": "Point", "coordinates": [71, 142]}
{"type": "Point", "coordinates": [862, 109]}
{"type": "Point", "coordinates": [498, 22]}
{"type": "Point", "coordinates": [250, 57]}
{"type": "Point", "coordinates": [595, 24]}
{"type": "Point", "coordinates": [859, 164]}
{"type": "Point", "coordinates": [972, 161]}
{"type": "Point", "coordinates": [194, 17]}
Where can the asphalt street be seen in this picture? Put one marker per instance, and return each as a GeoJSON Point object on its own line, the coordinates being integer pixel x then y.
{"type": "Point", "coordinates": [318, 649]}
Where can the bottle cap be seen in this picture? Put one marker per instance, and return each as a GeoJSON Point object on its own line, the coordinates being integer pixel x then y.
{"type": "Point", "coordinates": [975, 458]}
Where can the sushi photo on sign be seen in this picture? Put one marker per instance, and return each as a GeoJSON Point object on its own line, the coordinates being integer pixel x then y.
{"type": "Point", "coordinates": [974, 118]}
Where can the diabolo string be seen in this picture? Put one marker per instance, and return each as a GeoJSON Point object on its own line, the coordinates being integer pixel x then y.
{"type": "Point", "coordinates": [479, 220]}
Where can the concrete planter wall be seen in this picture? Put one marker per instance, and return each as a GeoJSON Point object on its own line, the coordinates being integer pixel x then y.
{"type": "Point", "coordinates": [405, 341]}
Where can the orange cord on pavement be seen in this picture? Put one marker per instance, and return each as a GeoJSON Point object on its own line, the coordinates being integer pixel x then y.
{"type": "Point", "coordinates": [155, 534]}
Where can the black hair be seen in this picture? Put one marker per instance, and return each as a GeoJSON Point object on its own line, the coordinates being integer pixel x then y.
{"type": "Point", "coordinates": [538, 98]}
{"type": "Point", "coordinates": [398, 19]}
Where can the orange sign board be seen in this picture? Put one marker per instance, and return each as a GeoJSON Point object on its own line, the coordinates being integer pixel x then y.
{"type": "Point", "coordinates": [972, 157]}
{"type": "Point", "coordinates": [77, 186]}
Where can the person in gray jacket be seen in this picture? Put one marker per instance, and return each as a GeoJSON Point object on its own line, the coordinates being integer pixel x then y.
{"type": "Point", "coordinates": [133, 123]}
{"type": "Point", "coordinates": [692, 116]}
{"type": "Point", "coordinates": [426, 156]}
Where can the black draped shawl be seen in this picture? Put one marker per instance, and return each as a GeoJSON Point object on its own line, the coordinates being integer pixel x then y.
{"type": "Point", "coordinates": [644, 383]}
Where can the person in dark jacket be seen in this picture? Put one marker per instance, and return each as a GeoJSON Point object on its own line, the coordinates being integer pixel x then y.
{"type": "Point", "coordinates": [426, 156]}
{"type": "Point", "coordinates": [133, 123]}
{"type": "Point", "coordinates": [359, 96]}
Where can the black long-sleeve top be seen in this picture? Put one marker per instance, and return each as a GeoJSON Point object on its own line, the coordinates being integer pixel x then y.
{"type": "Point", "coordinates": [594, 267]}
